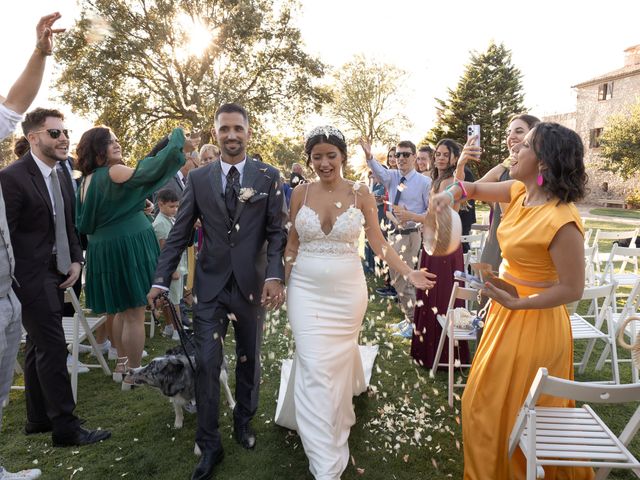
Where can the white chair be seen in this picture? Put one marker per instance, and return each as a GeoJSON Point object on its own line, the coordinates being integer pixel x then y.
{"type": "Point", "coordinates": [587, 237]}
{"type": "Point", "coordinates": [573, 436]}
{"type": "Point", "coordinates": [454, 334]}
{"type": "Point", "coordinates": [608, 235]}
{"type": "Point", "coordinates": [600, 298]}
{"type": "Point", "coordinates": [590, 265]}
{"type": "Point", "coordinates": [74, 337]}
{"type": "Point", "coordinates": [476, 244]}
{"type": "Point", "coordinates": [631, 307]}
{"type": "Point", "coordinates": [623, 276]}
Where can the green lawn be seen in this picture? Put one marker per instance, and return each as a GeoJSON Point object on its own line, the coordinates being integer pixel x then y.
{"type": "Point", "coordinates": [616, 212]}
{"type": "Point", "coordinates": [405, 429]}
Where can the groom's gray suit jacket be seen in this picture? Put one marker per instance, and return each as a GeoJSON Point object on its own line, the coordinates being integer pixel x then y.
{"type": "Point", "coordinates": [250, 245]}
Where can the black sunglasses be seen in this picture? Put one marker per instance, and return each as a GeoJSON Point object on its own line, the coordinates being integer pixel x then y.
{"type": "Point", "coordinates": [403, 154]}
{"type": "Point", "coordinates": [55, 132]}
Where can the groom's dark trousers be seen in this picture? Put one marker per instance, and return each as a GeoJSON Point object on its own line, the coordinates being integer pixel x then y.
{"type": "Point", "coordinates": [211, 321]}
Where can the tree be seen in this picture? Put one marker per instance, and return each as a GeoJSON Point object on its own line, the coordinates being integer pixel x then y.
{"type": "Point", "coordinates": [145, 66]}
{"type": "Point", "coordinates": [488, 94]}
{"type": "Point", "coordinates": [620, 143]}
{"type": "Point", "coordinates": [367, 100]}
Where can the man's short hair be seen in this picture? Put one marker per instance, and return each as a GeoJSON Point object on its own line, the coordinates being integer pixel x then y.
{"type": "Point", "coordinates": [407, 144]}
{"type": "Point", "coordinates": [167, 195]}
{"type": "Point", "coordinates": [426, 148]}
{"type": "Point", "coordinates": [232, 108]}
{"type": "Point", "coordinates": [36, 118]}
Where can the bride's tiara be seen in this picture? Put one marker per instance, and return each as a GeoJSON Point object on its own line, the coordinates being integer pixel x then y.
{"type": "Point", "coordinates": [327, 131]}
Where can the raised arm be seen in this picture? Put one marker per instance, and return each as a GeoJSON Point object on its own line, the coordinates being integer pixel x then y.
{"type": "Point", "coordinates": [487, 192]}
{"type": "Point", "coordinates": [419, 278]}
{"type": "Point", "coordinates": [26, 87]}
{"type": "Point", "coordinates": [378, 170]}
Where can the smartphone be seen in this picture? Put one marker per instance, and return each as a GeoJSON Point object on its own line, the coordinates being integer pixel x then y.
{"type": "Point", "coordinates": [474, 130]}
{"type": "Point", "coordinates": [471, 280]}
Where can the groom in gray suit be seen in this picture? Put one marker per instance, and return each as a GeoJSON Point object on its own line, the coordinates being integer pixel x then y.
{"type": "Point", "coordinates": [239, 273]}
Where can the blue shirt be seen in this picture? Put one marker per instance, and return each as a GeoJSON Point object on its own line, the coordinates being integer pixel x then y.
{"type": "Point", "coordinates": [415, 195]}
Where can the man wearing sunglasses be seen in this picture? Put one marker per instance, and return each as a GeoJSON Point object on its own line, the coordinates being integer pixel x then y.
{"type": "Point", "coordinates": [48, 257]}
{"type": "Point", "coordinates": [409, 189]}
{"type": "Point", "coordinates": [18, 100]}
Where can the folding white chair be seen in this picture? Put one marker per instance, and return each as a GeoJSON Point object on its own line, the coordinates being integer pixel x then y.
{"type": "Point", "coordinates": [602, 257]}
{"type": "Point", "coordinates": [590, 265]}
{"type": "Point", "coordinates": [573, 437]}
{"type": "Point", "coordinates": [623, 276]}
{"type": "Point", "coordinates": [631, 307]}
{"type": "Point", "coordinates": [600, 298]}
{"type": "Point", "coordinates": [74, 336]}
{"type": "Point", "coordinates": [587, 237]}
{"type": "Point", "coordinates": [454, 334]}
{"type": "Point", "coordinates": [476, 244]}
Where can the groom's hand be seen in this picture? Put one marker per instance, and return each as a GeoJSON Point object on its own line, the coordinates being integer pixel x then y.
{"type": "Point", "coordinates": [272, 294]}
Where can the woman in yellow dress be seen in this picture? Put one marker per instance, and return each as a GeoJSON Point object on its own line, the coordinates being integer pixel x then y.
{"type": "Point", "coordinates": [542, 246]}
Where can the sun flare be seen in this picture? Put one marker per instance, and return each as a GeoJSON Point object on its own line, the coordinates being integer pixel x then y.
{"type": "Point", "coordinates": [196, 34]}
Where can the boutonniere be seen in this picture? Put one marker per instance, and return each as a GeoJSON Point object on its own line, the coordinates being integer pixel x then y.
{"type": "Point", "coordinates": [246, 193]}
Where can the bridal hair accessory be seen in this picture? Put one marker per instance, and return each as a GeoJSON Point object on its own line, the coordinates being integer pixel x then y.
{"type": "Point", "coordinates": [246, 193]}
{"type": "Point", "coordinates": [635, 348]}
{"type": "Point", "coordinates": [327, 131]}
{"type": "Point", "coordinates": [441, 232]}
{"type": "Point", "coordinates": [540, 180]}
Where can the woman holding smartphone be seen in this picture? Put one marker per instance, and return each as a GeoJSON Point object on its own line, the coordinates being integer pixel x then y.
{"type": "Point", "coordinates": [542, 242]}
{"type": "Point", "coordinates": [519, 126]}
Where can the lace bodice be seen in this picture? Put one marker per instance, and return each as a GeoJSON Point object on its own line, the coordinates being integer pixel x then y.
{"type": "Point", "coordinates": [341, 240]}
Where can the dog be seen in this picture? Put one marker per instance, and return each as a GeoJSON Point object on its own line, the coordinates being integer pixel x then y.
{"type": "Point", "coordinates": [173, 376]}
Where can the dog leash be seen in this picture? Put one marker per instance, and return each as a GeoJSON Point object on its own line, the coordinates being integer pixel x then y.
{"type": "Point", "coordinates": [177, 324]}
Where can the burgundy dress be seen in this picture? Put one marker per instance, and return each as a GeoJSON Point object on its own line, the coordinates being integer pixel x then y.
{"type": "Point", "coordinates": [427, 331]}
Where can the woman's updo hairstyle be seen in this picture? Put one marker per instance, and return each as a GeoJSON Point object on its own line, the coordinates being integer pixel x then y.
{"type": "Point", "coordinates": [325, 134]}
{"type": "Point", "coordinates": [561, 151]}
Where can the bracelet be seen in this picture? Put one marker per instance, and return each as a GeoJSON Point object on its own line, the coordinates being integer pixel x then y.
{"type": "Point", "coordinates": [453, 199]}
{"type": "Point", "coordinates": [464, 191]}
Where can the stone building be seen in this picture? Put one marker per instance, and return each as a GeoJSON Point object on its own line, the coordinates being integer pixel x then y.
{"type": "Point", "coordinates": [597, 99]}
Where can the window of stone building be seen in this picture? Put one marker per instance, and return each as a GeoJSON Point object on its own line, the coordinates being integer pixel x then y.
{"type": "Point", "coordinates": [594, 137]}
{"type": "Point", "coordinates": [605, 91]}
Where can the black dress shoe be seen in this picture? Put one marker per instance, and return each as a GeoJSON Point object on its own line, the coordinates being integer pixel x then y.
{"type": "Point", "coordinates": [245, 436]}
{"type": "Point", "coordinates": [79, 437]}
{"type": "Point", "coordinates": [209, 459]}
{"type": "Point", "coordinates": [31, 428]}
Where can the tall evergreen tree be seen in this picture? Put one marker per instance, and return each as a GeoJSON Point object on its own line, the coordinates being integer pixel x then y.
{"type": "Point", "coordinates": [488, 94]}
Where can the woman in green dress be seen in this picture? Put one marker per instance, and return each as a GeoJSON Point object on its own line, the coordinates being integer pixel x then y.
{"type": "Point", "coordinates": [123, 250]}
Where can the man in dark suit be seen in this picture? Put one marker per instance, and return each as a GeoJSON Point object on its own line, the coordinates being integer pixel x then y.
{"type": "Point", "coordinates": [239, 272]}
{"type": "Point", "coordinates": [48, 259]}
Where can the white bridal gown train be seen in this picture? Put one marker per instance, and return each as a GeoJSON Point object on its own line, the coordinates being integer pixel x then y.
{"type": "Point", "coordinates": [327, 300]}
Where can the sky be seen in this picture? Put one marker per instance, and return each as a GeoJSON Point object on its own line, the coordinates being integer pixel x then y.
{"type": "Point", "coordinates": [555, 44]}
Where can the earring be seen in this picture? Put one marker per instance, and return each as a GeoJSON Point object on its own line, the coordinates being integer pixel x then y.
{"type": "Point", "coordinates": [540, 180]}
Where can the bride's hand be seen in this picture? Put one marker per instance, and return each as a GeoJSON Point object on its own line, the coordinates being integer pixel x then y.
{"type": "Point", "coordinates": [422, 279]}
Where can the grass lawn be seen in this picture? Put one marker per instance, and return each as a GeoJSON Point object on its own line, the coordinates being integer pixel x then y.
{"type": "Point", "coordinates": [405, 430]}
{"type": "Point", "coordinates": [616, 212]}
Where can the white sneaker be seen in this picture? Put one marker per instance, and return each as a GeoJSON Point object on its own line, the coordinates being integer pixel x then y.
{"type": "Point", "coordinates": [82, 368]}
{"type": "Point", "coordinates": [113, 353]}
{"type": "Point", "coordinates": [21, 475]}
{"type": "Point", "coordinates": [167, 331]}
{"type": "Point", "coordinates": [400, 325]}
{"type": "Point", "coordinates": [104, 348]}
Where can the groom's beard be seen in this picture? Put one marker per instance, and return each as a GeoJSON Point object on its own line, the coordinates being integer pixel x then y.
{"type": "Point", "coordinates": [233, 148]}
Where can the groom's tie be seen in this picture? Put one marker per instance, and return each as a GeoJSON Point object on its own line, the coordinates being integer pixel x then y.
{"type": "Point", "coordinates": [63, 257]}
{"type": "Point", "coordinates": [232, 191]}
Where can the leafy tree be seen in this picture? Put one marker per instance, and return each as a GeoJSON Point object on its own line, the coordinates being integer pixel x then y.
{"type": "Point", "coordinates": [134, 64]}
{"type": "Point", "coordinates": [6, 151]}
{"type": "Point", "coordinates": [488, 94]}
{"type": "Point", "coordinates": [620, 143]}
{"type": "Point", "coordinates": [367, 100]}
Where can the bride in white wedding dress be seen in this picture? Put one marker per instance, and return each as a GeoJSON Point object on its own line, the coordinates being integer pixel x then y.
{"type": "Point", "coordinates": [326, 303]}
